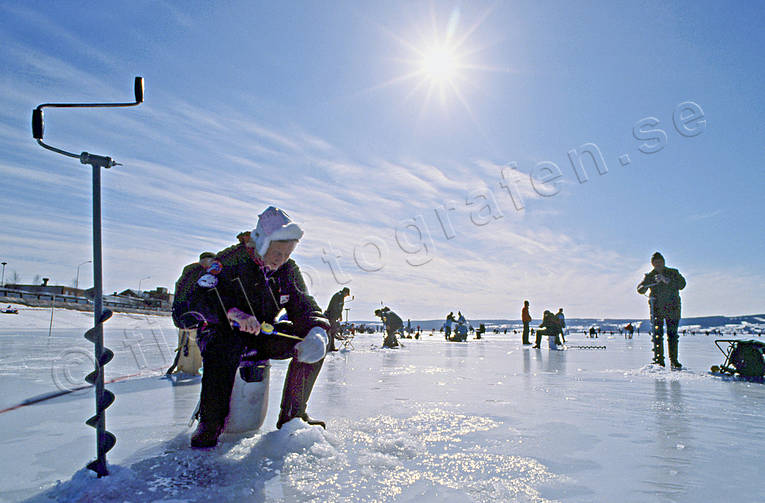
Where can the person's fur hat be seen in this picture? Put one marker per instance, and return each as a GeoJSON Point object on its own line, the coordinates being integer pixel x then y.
{"type": "Point", "coordinates": [273, 225]}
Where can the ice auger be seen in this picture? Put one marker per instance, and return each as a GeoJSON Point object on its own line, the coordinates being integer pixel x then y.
{"type": "Point", "coordinates": [105, 440]}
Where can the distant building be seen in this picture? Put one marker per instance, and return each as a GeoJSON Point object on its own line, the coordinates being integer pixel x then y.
{"type": "Point", "coordinates": [45, 288]}
{"type": "Point", "coordinates": [136, 294]}
{"type": "Point", "coordinates": [157, 299]}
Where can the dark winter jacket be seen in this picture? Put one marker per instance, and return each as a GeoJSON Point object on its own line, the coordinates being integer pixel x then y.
{"type": "Point", "coordinates": [335, 309]}
{"type": "Point", "coordinates": [241, 283]}
{"type": "Point", "coordinates": [188, 279]}
{"type": "Point", "coordinates": [665, 297]}
{"type": "Point", "coordinates": [183, 288]}
{"type": "Point", "coordinates": [551, 324]}
{"type": "Point", "coordinates": [392, 321]}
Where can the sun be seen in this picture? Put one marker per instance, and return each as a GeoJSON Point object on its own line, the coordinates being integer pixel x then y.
{"type": "Point", "coordinates": [440, 65]}
{"type": "Point", "coordinates": [442, 61]}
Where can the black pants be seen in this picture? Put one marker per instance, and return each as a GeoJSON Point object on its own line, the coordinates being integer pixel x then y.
{"type": "Point", "coordinates": [334, 329]}
{"type": "Point", "coordinates": [658, 320]}
{"type": "Point", "coordinates": [221, 356]}
{"type": "Point", "coordinates": [547, 331]}
{"type": "Point", "coordinates": [390, 340]}
{"type": "Point", "coordinates": [526, 332]}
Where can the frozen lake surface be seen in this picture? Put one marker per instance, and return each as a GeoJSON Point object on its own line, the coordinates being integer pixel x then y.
{"type": "Point", "coordinates": [438, 421]}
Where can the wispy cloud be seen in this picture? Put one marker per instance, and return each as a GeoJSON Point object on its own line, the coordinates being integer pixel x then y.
{"type": "Point", "coordinates": [697, 217]}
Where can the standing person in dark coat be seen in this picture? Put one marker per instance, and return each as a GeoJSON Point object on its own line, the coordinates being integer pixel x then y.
{"type": "Point", "coordinates": [247, 285]}
{"type": "Point", "coordinates": [448, 325]}
{"type": "Point", "coordinates": [526, 319]}
{"type": "Point", "coordinates": [665, 284]}
{"type": "Point", "coordinates": [334, 314]}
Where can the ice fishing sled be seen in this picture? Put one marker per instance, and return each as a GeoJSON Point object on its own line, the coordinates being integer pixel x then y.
{"type": "Point", "coordinates": [249, 397]}
{"type": "Point", "coordinates": [743, 359]}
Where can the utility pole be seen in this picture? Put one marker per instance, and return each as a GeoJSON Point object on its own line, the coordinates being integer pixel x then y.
{"type": "Point", "coordinates": [77, 277]}
{"type": "Point", "coordinates": [3, 282]}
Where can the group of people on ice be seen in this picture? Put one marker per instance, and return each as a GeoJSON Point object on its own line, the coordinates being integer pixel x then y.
{"type": "Point", "coordinates": [461, 327]}
{"type": "Point", "coordinates": [232, 300]}
{"type": "Point", "coordinates": [663, 285]}
{"type": "Point", "coordinates": [553, 325]}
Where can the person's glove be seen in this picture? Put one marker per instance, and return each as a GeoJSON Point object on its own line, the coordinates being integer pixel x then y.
{"type": "Point", "coordinates": [313, 347]}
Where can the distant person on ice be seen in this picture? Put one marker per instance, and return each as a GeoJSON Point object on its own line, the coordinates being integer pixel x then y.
{"type": "Point", "coordinates": [562, 321]}
{"type": "Point", "coordinates": [550, 326]}
{"type": "Point", "coordinates": [526, 319]}
{"type": "Point", "coordinates": [461, 330]}
{"type": "Point", "coordinates": [186, 282]}
{"type": "Point", "coordinates": [665, 284]}
{"type": "Point", "coordinates": [448, 325]}
{"type": "Point", "coordinates": [248, 284]}
{"type": "Point", "coordinates": [334, 314]}
{"type": "Point", "coordinates": [392, 323]}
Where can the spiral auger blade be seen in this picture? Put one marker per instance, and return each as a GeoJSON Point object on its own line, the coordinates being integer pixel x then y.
{"type": "Point", "coordinates": [105, 440]}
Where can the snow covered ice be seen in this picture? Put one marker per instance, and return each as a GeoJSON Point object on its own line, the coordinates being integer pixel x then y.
{"type": "Point", "coordinates": [438, 421]}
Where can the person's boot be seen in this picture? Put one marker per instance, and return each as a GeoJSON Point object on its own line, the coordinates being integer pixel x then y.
{"type": "Point", "coordinates": [284, 418]}
{"type": "Point", "coordinates": [672, 344]}
{"type": "Point", "coordinates": [658, 350]}
{"type": "Point", "coordinates": [206, 435]}
{"type": "Point", "coordinates": [298, 385]}
{"type": "Point", "coordinates": [390, 341]}
{"type": "Point", "coordinates": [332, 341]}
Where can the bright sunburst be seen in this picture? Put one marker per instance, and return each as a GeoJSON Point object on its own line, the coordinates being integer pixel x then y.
{"type": "Point", "coordinates": [441, 61]}
{"type": "Point", "coordinates": [440, 64]}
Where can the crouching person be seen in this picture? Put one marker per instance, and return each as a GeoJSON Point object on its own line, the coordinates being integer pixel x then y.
{"type": "Point", "coordinates": [550, 327]}
{"type": "Point", "coordinates": [392, 323]}
{"type": "Point", "coordinates": [247, 285]}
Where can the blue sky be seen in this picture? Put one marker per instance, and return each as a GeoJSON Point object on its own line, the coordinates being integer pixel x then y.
{"type": "Point", "coordinates": [332, 111]}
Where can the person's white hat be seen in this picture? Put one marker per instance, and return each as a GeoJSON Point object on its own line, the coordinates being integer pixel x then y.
{"type": "Point", "coordinates": [274, 225]}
